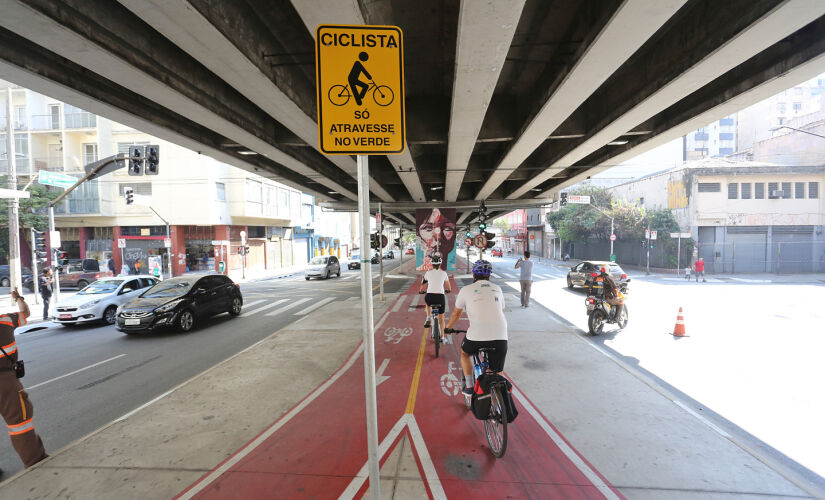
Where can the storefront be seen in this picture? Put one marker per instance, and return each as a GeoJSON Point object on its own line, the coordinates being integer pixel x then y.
{"type": "Point", "coordinates": [199, 250]}
{"type": "Point", "coordinates": [145, 249]}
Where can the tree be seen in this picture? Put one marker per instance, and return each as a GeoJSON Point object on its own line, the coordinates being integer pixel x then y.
{"type": "Point", "coordinates": [502, 224]}
{"type": "Point", "coordinates": [408, 238]}
{"type": "Point", "coordinates": [33, 212]}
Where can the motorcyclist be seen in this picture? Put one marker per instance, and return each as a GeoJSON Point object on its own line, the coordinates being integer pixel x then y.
{"type": "Point", "coordinates": [611, 293]}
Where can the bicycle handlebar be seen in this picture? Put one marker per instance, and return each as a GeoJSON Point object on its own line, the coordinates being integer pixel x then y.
{"type": "Point", "coordinates": [453, 330]}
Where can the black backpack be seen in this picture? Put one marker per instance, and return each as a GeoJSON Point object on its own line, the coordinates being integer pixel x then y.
{"type": "Point", "coordinates": [480, 402]}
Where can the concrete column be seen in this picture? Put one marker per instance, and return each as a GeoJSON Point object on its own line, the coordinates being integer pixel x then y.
{"type": "Point", "coordinates": [116, 252]}
{"type": "Point", "coordinates": [83, 235]}
{"type": "Point", "coordinates": [178, 250]}
{"type": "Point", "coordinates": [769, 250]}
{"type": "Point", "coordinates": [222, 252]}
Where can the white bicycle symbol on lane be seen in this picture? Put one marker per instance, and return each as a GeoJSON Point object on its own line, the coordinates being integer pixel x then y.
{"type": "Point", "coordinates": [450, 384]}
{"type": "Point", "coordinates": [396, 335]}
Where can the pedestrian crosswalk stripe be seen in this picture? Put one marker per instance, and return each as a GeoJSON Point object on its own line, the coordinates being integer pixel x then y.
{"type": "Point", "coordinates": [263, 308]}
{"type": "Point", "coordinates": [253, 302]}
{"type": "Point", "coordinates": [288, 306]}
{"type": "Point", "coordinates": [398, 303]}
{"type": "Point", "coordinates": [414, 303]}
{"type": "Point", "coordinates": [314, 306]}
{"type": "Point", "coordinates": [544, 276]}
{"type": "Point", "coordinates": [496, 276]}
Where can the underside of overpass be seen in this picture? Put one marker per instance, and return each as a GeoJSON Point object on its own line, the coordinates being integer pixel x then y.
{"type": "Point", "coordinates": [507, 101]}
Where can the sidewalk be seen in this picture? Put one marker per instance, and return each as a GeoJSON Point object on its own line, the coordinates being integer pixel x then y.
{"type": "Point", "coordinates": [631, 431]}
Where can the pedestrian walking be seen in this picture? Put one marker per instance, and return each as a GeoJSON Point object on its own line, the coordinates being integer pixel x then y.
{"type": "Point", "coordinates": [526, 278]}
{"type": "Point", "coordinates": [699, 267]}
{"type": "Point", "coordinates": [45, 290]}
{"type": "Point", "coordinates": [15, 406]}
{"type": "Point", "coordinates": [112, 268]}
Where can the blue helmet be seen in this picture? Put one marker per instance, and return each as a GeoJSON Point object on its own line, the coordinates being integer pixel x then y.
{"type": "Point", "coordinates": [482, 268]}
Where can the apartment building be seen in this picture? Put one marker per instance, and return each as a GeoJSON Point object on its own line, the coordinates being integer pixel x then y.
{"type": "Point", "coordinates": [210, 207]}
{"type": "Point", "coordinates": [715, 139]}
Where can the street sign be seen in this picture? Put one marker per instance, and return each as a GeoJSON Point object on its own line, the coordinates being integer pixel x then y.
{"type": "Point", "coordinates": [167, 243]}
{"type": "Point", "coordinates": [384, 241]}
{"type": "Point", "coordinates": [13, 193]}
{"type": "Point", "coordinates": [56, 179]}
{"type": "Point", "coordinates": [582, 200]}
{"type": "Point", "coordinates": [680, 235]}
{"type": "Point", "coordinates": [468, 241]}
{"type": "Point", "coordinates": [121, 242]}
{"type": "Point", "coordinates": [647, 234]}
{"type": "Point", "coordinates": [54, 239]}
{"type": "Point", "coordinates": [653, 235]}
{"type": "Point", "coordinates": [360, 89]}
{"type": "Point", "coordinates": [612, 237]}
{"type": "Point", "coordinates": [480, 241]}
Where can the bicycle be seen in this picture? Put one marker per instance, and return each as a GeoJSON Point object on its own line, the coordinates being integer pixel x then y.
{"type": "Point", "coordinates": [339, 95]}
{"type": "Point", "coordinates": [495, 426]}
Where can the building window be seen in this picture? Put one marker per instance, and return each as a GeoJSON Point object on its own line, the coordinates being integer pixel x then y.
{"type": "Point", "coordinates": [746, 190]}
{"type": "Point", "coordinates": [54, 113]}
{"type": "Point", "coordinates": [143, 188]}
{"type": "Point", "coordinates": [710, 187]}
{"type": "Point", "coordinates": [781, 108]}
{"type": "Point", "coordinates": [759, 190]}
{"type": "Point", "coordinates": [797, 107]}
{"type": "Point", "coordinates": [813, 190]}
{"type": "Point", "coordinates": [123, 147]}
{"type": "Point", "coordinates": [253, 191]}
{"type": "Point", "coordinates": [773, 190]}
{"type": "Point", "coordinates": [786, 190]}
{"type": "Point", "coordinates": [220, 188]}
{"type": "Point", "coordinates": [733, 191]}
{"type": "Point", "coordinates": [725, 151]}
{"type": "Point", "coordinates": [799, 190]}
{"type": "Point", "coordinates": [797, 90]}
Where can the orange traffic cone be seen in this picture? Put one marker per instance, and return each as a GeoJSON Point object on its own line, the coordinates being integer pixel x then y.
{"type": "Point", "coordinates": [679, 329]}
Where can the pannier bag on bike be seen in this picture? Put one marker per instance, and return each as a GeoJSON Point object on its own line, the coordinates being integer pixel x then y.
{"type": "Point", "coordinates": [480, 401]}
{"type": "Point", "coordinates": [510, 402]}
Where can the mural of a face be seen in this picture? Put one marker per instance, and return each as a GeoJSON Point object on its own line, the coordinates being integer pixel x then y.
{"type": "Point", "coordinates": [437, 233]}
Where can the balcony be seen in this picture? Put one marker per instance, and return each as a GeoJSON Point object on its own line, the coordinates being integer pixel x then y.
{"type": "Point", "coordinates": [45, 122]}
{"type": "Point", "coordinates": [80, 120]}
{"type": "Point", "coordinates": [726, 122]}
{"type": "Point", "coordinates": [700, 136]}
{"type": "Point", "coordinates": [54, 164]}
{"type": "Point", "coordinates": [19, 124]}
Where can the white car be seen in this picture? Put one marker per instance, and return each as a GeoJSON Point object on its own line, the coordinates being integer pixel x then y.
{"type": "Point", "coordinates": [99, 301]}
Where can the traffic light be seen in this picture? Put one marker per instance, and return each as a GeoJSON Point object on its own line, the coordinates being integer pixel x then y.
{"type": "Point", "coordinates": [152, 160]}
{"type": "Point", "coordinates": [563, 199]}
{"type": "Point", "coordinates": [482, 226]}
{"type": "Point", "coordinates": [397, 242]}
{"type": "Point", "coordinates": [62, 257]}
{"type": "Point", "coordinates": [41, 251]}
{"type": "Point", "coordinates": [491, 242]}
{"type": "Point", "coordinates": [243, 250]}
{"type": "Point", "coordinates": [375, 241]}
{"type": "Point", "coordinates": [136, 158]}
{"type": "Point", "coordinates": [129, 194]}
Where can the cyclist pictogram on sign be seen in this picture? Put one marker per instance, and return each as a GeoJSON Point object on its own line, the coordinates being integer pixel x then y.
{"type": "Point", "coordinates": [360, 85]}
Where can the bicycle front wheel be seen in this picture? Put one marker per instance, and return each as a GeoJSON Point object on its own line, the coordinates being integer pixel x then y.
{"type": "Point", "coordinates": [496, 425]}
{"type": "Point", "coordinates": [383, 95]}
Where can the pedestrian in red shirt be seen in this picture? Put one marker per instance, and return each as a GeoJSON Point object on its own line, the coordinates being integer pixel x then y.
{"type": "Point", "coordinates": [699, 267]}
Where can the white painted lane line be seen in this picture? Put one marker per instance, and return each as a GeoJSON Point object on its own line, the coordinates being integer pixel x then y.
{"type": "Point", "coordinates": [198, 487]}
{"type": "Point", "coordinates": [363, 474]}
{"type": "Point", "coordinates": [496, 276]}
{"type": "Point", "coordinates": [252, 303]}
{"type": "Point", "coordinates": [288, 306]}
{"type": "Point", "coordinates": [426, 462]}
{"type": "Point", "coordinates": [74, 372]}
{"type": "Point", "coordinates": [314, 306]}
{"type": "Point", "coordinates": [264, 308]}
{"type": "Point", "coordinates": [414, 302]}
{"type": "Point", "coordinates": [398, 303]}
{"type": "Point", "coordinates": [124, 417]}
{"type": "Point", "coordinates": [565, 448]}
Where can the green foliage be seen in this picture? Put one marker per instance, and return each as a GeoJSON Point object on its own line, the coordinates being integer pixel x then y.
{"type": "Point", "coordinates": [408, 238]}
{"type": "Point", "coordinates": [33, 211]}
{"type": "Point", "coordinates": [502, 224]}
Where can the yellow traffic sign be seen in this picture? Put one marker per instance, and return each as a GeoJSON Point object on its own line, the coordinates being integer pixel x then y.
{"type": "Point", "coordinates": [359, 75]}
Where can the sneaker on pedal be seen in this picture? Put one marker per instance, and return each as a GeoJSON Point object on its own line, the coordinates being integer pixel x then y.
{"type": "Point", "coordinates": [427, 323]}
{"type": "Point", "coordinates": [467, 391]}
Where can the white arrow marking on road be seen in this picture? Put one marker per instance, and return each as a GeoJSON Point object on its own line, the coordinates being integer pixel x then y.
{"type": "Point", "coordinates": [379, 374]}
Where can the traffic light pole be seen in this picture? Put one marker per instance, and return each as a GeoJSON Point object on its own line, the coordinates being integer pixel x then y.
{"type": "Point", "coordinates": [168, 236]}
{"type": "Point", "coordinates": [367, 326]}
{"type": "Point", "coordinates": [34, 264]}
{"type": "Point", "coordinates": [15, 274]}
{"type": "Point", "coordinates": [55, 267]}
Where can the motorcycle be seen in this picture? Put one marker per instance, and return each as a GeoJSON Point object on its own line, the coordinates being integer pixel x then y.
{"type": "Point", "coordinates": [600, 312]}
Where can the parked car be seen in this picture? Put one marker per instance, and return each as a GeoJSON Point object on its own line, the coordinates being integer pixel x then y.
{"type": "Point", "coordinates": [410, 251]}
{"type": "Point", "coordinates": [78, 273]}
{"type": "Point", "coordinates": [355, 260]}
{"type": "Point", "coordinates": [497, 252]}
{"type": "Point", "coordinates": [389, 254]}
{"type": "Point", "coordinates": [180, 302]}
{"type": "Point", "coordinates": [5, 281]}
{"type": "Point", "coordinates": [579, 273]}
{"type": "Point", "coordinates": [323, 267]}
{"type": "Point", "coordinates": [99, 300]}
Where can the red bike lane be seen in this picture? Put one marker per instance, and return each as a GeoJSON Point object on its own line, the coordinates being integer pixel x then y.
{"type": "Point", "coordinates": [318, 449]}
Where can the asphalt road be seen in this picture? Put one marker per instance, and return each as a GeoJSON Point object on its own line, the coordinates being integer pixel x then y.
{"type": "Point", "coordinates": [82, 378]}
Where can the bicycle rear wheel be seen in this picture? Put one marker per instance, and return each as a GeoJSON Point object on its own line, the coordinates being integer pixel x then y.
{"type": "Point", "coordinates": [436, 335]}
{"type": "Point", "coordinates": [496, 425]}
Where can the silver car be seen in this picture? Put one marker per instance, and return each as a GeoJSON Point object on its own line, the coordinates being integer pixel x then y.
{"type": "Point", "coordinates": [99, 301]}
{"type": "Point", "coordinates": [323, 267]}
{"type": "Point", "coordinates": [579, 274]}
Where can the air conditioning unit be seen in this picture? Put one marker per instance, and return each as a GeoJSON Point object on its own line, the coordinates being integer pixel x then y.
{"type": "Point", "coordinates": [777, 193]}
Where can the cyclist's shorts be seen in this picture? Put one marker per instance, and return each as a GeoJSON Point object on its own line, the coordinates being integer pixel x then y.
{"type": "Point", "coordinates": [496, 358]}
{"type": "Point", "coordinates": [436, 300]}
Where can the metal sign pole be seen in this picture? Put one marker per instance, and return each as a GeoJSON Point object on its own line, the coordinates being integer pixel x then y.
{"type": "Point", "coordinates": [367, 325]}
{"type": "Point", "coordinates": [15, 274]}
{"type": "Point", "coordinates": [380, 254]}
{"type": "Point", "coordinates": [679, 255]}
{"type": "Point", "coordinates": [53, 253]}
{"type": "Point", "coordinates": [35, 284]}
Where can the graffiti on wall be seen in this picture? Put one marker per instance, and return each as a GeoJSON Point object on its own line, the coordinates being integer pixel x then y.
{"type": "Point", "coordinates": [435, 231]}
{"type": "Point", "coordinates": [677, 195]}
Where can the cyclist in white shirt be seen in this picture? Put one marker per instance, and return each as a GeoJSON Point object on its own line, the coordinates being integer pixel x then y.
{"type": "Point", "coordinates": [484, 303]}
{"type": "Point", "coordinates": [434, 284]}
